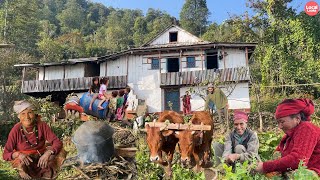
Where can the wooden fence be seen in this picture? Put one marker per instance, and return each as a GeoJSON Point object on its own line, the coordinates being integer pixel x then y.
{"type": "Point", "coordinates": [191, 77]}
{"type": "Point", "coordinates": [72, 84]}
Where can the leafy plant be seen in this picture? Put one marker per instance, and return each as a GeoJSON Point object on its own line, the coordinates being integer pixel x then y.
{"type": "Point", "coordinates": [268, 142]}
{"type": "Point", "coordinates": [180, 173]}
{"type": "Point", "coordinates": [146, 169]}
{"type": "Point", "coordinates": [303, 173]}
{"type": "Point", "coordinates": [242, 171]}
{"type": "Point", "coordinates": [45, 108]}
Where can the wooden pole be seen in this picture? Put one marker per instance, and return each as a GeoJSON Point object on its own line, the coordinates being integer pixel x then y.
{"type": "Point", "coordinates": [127, 61]}
{"type": "Point", "coordinates": [224, 61]}
{"type": "Point", "coordinates": [247, 60]}
{"type": "Point", "coordinates": [159, 57]}
{"type": "Point", "coordinates": [23, 77]}
{"type": "Point", "coordinates": [202, 54]}
{"type": "Point", "coordinates": [179, 126]}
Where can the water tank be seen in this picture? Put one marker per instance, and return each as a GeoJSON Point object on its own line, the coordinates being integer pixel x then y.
{"type": "Point", "coordinates": [94, 142]}
{"type": "Point", "coordinates": [85, 102]}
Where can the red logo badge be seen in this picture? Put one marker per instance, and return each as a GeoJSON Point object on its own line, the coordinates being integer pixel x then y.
{"type": "Point", "coordinates": [311, 8]}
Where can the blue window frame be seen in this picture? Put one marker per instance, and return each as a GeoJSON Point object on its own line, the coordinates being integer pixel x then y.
{"type": "Point", "coordinates": [155, 64]}
{"type": "Point", "coordinates": [191, 62]}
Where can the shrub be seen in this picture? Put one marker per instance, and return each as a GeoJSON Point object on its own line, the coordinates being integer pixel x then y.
{"type": "Point", "coordinates": [268, 143]}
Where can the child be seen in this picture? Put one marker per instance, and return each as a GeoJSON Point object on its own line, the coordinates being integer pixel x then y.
{"type": "Point", "coordinates": [186, 103]}
{"type": "Point", "coordinates": [103, 96]}
{"type": "Point", "coordinates": [126, 94]}
{"type": "Point", "coordinates": [120, 101]}
{"type": "Point", "coordinates": [125, 102]}
{"type": "Point", "coordinates": [94, 91]}
{"type": "Point", "coordinates": [112, 106]}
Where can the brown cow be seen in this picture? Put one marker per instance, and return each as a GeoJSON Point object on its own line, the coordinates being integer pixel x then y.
{"type": "Point", "coordinates": [196, 143]}
{"type": "Point", "coordinates": [163, 141]}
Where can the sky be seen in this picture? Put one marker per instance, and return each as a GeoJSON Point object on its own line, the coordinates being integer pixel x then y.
{"type": "Point", "coordinates": [220, 9]}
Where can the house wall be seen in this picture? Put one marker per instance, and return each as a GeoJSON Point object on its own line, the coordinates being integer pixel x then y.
{"type": "Point", "coordinates": [103, 69]}
{"type": "Point", "coordinates": [116, 67]}
{"type": "Point", "coordinates": [53, 72]}
{"type": "Point", "coordinates": [144, 82]}
{"type": "Point", "coordinates": [60, 72]}
{"type": "Point", "coordinates": [234, 58]}
{"type": "Point", "coordinates": [40, 73]}
{"type": "Point", "coordinates": [237, 99]}
{"type": "Point", "coordinates": [74, 71]}
{"type": "Point", "coordinates": [183, 37]}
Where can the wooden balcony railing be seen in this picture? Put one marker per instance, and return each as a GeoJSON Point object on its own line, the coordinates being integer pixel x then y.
{"type": "Point", "coordinates": [73, 84]}
{"type": "Point", "coordinates": [191, 77]}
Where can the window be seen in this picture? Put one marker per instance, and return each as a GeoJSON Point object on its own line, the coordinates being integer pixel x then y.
{"type": "Point", "coordinates": [155, 64]}
{"type": "Point", "coordinates": [191, 62]}
{"type": "Point", "coordinates": [173, 36]}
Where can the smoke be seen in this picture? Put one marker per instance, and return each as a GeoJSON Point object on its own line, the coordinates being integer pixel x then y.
{"type": "Point", "coordinates": [94, 142]}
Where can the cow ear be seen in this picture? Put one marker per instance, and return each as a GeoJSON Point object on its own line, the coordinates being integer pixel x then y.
{"type": "Point", "coordinates": [167, 132]}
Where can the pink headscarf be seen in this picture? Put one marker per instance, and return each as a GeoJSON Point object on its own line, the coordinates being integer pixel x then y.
{"type": "Point", "coordinates": [240, 115]}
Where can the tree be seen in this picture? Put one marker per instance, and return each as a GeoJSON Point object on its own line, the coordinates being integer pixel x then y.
{"type": "Point", "coordinates": [51, 50]}
{"type": "Point", "coordinates": [20, 21]}
{"type": "Point", "coordinates": [288, 50]}
{"type": "Point", "coordinates": [236, 29]}
{"type": "Point", "coordinates": [140, 31]}
{"type": "Point", "coordinates": [194, 16]}
{"type": "Point", "coordinates": [72, 17]}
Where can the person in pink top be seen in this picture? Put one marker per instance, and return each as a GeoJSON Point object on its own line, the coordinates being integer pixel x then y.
{"type": "Point", "coordinates": [103, 96]}
{"type": "Point", "coordinates": [301, 141]}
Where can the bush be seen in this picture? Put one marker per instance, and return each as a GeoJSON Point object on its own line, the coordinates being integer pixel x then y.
{"type": "Point", "coordinates": [268, 143]}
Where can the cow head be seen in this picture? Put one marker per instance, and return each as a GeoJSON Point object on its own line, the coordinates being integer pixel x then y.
{"type": "Point", "coordinates": [187, 141]}
{"type": "Point", "coordinates": [155, 139]}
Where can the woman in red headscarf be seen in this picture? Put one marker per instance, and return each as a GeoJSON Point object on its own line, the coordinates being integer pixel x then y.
{"type": "Point", "coordinates": [301, 141]}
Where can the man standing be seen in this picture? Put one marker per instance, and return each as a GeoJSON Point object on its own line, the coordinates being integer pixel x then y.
{"type": "Point", "coordinates": [216, 96]}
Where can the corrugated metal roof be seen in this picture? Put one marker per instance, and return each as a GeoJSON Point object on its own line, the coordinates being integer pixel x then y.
{"type": "Point", "coordinates": [69, 61]}
{"type": "Point", "coordinates": [174, 46]}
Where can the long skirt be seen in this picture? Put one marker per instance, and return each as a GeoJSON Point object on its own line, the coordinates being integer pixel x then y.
{"type": "Point", "coordinates": [119, 114]}
{"type": "Point", "coordinates": [50, 172]}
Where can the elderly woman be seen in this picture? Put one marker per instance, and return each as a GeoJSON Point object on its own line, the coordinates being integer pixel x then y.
{"type": "Point", "coordinates": [301, 141]}
{"type": "Point", "coordinates": [241, 144]}
{"type": "Point", "coordinates": [26, 147]}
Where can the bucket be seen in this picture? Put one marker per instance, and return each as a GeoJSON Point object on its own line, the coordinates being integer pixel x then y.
{"type": "Point", "coordinates": [85, 103]}
{"type": "Point", "coordinates": [94, 142]}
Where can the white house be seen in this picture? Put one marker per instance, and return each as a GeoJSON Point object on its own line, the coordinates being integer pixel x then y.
{"type": "Point", "coordinates": [159, 71]}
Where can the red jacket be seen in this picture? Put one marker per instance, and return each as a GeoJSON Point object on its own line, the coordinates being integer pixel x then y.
{"type": "Point", "coordinates": [300, 143]}
{"type": "Point", "coordinates": [16, 142]}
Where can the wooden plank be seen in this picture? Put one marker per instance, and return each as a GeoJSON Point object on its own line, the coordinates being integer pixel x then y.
{"type": "Point", "coordinates": [177, 81]}
{"type": "Point", "coordinates": [163, 78]}
{"type": "Point", "coordinates": [77, 84]}
{"type": "Point", "coordinates": [179, 126]}
{"type": "Point", "coordinates": [111, 85]}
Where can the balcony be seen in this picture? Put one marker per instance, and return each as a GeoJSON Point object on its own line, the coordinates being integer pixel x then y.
{"type": "Point", "coordinates": [191, 77]}
{"type": "Point", "coordinates": [73, 84]}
